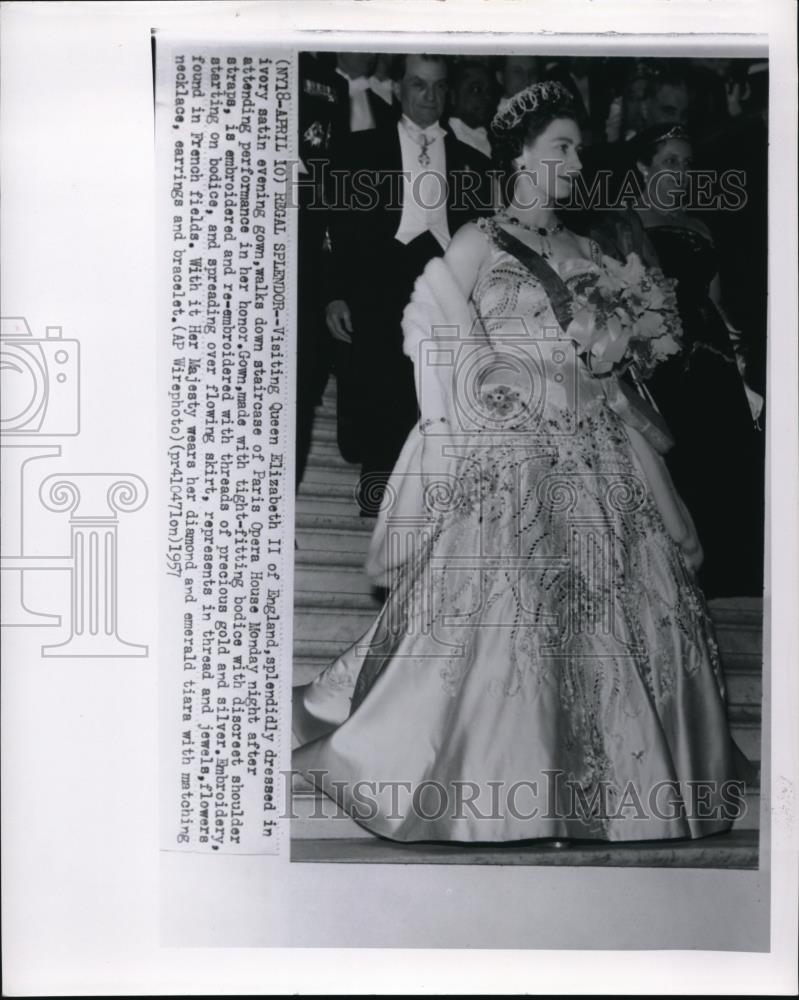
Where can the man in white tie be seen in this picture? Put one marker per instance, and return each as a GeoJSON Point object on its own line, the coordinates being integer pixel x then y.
{"type": "Point", "coordinates": [380, 81]}
{"type": "Point", "coordinates": [370, 106]}
{"type": "Point", "coordinates": [406, 188]}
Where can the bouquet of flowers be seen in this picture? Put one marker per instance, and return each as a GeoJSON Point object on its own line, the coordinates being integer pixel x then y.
{"type": "Point", "coordinates": [626, 318]}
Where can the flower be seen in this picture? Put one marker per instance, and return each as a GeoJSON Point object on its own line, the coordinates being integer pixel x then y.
{"type": "Point", "coordinates": [627, 315]}
{"type": "Point", "coordinates": [604, 341]}
{"type": "Point", "coordinates": [501, 401]}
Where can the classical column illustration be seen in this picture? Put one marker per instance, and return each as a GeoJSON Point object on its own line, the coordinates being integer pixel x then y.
{"type": "Point", "coordinates": [94, 501]}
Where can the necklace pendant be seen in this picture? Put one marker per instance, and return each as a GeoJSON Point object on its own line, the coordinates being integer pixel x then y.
{"type": "Point", "coordinates": [424, 156]}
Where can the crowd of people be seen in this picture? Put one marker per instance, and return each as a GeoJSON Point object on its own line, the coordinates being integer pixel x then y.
{"type": "Point", "coordinates": [412, 127]}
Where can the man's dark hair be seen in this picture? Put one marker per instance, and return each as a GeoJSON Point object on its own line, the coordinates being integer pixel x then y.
{"type": "Point", "coordinates": [398, 63]}
{"type": "Point", "coordinates": [458, 69]}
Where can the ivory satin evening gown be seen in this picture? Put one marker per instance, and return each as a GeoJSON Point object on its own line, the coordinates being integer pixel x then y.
{"type": "Point", "coordinates": [544, 664]}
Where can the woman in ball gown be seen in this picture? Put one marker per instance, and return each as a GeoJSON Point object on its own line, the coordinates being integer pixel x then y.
{"type": "Point", "coordinates": [544, 665]}
{"type": "Point", "coordinates": [718, 464]}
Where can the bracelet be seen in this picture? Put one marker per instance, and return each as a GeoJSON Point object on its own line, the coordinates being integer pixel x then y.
{"type": "Point", "coordinates": [424, 424]}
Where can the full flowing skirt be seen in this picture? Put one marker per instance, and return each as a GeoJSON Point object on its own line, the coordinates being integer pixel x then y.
{"type": "Point", "coordinates": [544, 665]}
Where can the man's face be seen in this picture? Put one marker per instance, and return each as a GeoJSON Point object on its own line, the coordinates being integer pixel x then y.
{"type": "Point", "coordinates": [472, 101]}
{"type": "Point", "coordinates": [423, 90]}
{"type": "Point", "coordinates": [669, 103]}
{"type": "Point", "coordinates": [519, 72]}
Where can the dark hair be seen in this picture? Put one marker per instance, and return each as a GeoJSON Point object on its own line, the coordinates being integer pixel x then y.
{"type": "Point", "coordinates": [509, 143]}
{"type": "Point", "coordinates": [460, 67]}
{"type": "Point", "coordinates": [657, 73]}
{"type": "Point", "coordinates": [643, 146]}
{"type": "Point", "coordinates": [398, 63]}
{"type": "Point", "coordinates": [669, 77]}
{"type": "Point", "coordinates": [512, 132]}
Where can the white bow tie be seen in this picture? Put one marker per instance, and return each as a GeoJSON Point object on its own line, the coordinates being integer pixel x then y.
{"type": "Point", "coordinates": [431, 133]}
{"type": "Point", "coordinates": [357, 85]}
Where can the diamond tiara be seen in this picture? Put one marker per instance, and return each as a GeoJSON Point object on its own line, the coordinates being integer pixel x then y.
{"type": "Point", "coordinates": [530, 99]}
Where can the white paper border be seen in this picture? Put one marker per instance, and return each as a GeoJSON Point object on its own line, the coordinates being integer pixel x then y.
{"type": "Point", "coordinates": [80, 872]}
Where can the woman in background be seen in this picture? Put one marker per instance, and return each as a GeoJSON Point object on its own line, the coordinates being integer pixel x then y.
{"type": "Point", "coordinates": [718, 460]}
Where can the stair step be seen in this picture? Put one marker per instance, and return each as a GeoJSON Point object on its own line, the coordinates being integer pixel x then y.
{"type": "Point", "coordinates": [326, 459]}
{"type": "Point", "coordinates": [327, 403]}
{"type": "Point", "coordinates": [324, 422]}
{"type": "Point", "coordinates": [747, 735]}
{"type": "Point", "coordinates": [324, 428]}
{"type": "Point", "coordinates": [743, 713]}
{"type": "Point", "coordinates": [312, 490]}
{"type": "Point", "coordinates": [737, 849]}
{"type": "Point", "coordinates": [325, 600]}
{"type": "Point", "coordinates": [737, 610]}
{"type": "Point", "coordinates": [742, 663]}
{"type": "Point", "coordinates": [744, 689]}
{"type": "Point", "coordinates": [324, 447]}
{"type": "Point", "coordinates": [333, 623]}
{"type": "Point", "coordinates": [740, 643]}
{"type": "Point", "coordinates": [337, 506]}
{"type": "Point", "coordinates": [336, 522]}
{"type": "Point", "coordinates": [739, 628]}
{"type": "Point", "coordinates": [330, 392]}
{"type": "Point", "coordinates": [329, 559]}
{"type": "Point", "coordinates": [345, 580]}
{"type": "Point", "coordinates": [751, 817]}
{"type": "Point", "coordinates": [341, 532]}
{"type": "Point", "coordinates": [352, 544]}
{"type": "Point", "coordinates": [327, 471]}
{"type": "Point", "coordinates": [325, 650]}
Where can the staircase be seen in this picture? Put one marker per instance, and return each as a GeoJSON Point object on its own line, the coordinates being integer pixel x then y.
{"type": "Point", "coordinates": [334, 604]}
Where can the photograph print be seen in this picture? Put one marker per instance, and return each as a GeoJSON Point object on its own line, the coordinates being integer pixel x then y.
{"type": "Point", "coordinates": [531, 328]}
